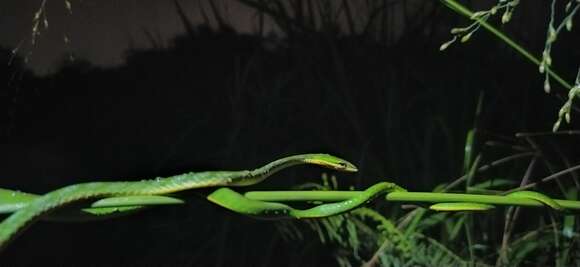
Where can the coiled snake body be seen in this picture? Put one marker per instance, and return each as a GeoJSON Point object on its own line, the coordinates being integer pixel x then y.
{"type": "Point", "coordinates": [51, 201]}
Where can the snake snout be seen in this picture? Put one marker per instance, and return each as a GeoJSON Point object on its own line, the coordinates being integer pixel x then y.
{"type": "Point", "coordinates": [347, 166]}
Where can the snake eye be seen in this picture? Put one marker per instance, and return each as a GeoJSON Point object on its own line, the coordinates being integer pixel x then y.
{"type": "Point", "coordinates": [343, 165]}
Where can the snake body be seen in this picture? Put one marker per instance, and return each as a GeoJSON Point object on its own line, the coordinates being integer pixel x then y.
{"type": "Point", "coordinates": [28, 208]}
{"type": "Point", "coordinates": [234, 201]}
{"type": "Point", "coordinates": [460, 206]}
{"type": "Point", "coordinates": [19, 220]}
{"type": "Point", "coordinates": [11, 201]}
{"type": "Point", "coordinates": [546, 200]}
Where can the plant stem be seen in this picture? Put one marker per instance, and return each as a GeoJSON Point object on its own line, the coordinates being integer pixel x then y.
{"type": "Point", "coordinates": [457, 7]}
{"type": "Point", "coordinates": [545, 179]}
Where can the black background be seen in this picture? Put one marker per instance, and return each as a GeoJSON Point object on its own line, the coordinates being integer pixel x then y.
{"type": "Point", "coordinates": [217, 99]}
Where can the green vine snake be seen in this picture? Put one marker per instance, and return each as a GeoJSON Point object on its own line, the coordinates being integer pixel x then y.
{"type": "Point", "coordinates": [19, 220]}
{"type": "Point", "coordinates": [118, 198]}
{"type": "Point", "coordinates": [234, 201]}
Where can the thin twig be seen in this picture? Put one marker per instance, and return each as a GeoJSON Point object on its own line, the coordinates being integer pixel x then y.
{"type": "Point", "coordinates": [489, 166]}
{"type": "Point", "coordinates": [570, 132]}
{"type": "Point", "coordinates": [543, 180]}
{"type": "Point", "coordinates": [511, 217]}
{"type": "Point", "coordinates": [375, 258]}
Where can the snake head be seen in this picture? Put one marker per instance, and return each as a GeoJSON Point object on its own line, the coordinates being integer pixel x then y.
{"type": "Point", "coordinates": [331, 162]}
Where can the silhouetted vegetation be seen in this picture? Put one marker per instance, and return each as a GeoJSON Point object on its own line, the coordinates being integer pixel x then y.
{"type": "Point", "coordinates": [379, 93]}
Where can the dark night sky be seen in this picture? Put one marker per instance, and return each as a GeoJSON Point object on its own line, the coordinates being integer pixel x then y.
{"type": "Point", "coordinates": [100, 30]}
